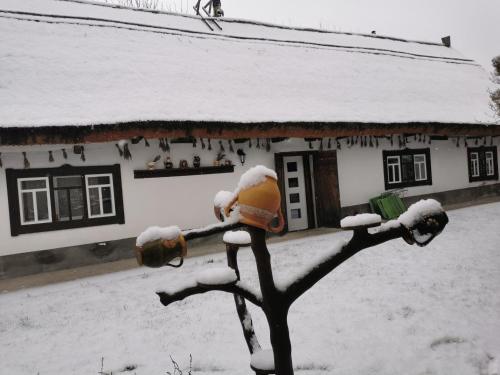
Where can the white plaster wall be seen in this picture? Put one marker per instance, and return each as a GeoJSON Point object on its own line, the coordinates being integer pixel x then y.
{"type": "Point", "coordinates": [361, 174]}
{"type": "Point", "coordinates": [184, 201]}
{"type": "Point", "coordinates": [187, 201]}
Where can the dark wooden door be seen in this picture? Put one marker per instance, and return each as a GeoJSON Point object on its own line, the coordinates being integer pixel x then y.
{"type": "Point", "coordinates": [327, 189]}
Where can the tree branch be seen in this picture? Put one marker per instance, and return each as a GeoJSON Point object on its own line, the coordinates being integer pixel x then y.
{"type": "Point", "coordinates": [166, 298]}
{"type": "Point", "coordinates": [426, 227]}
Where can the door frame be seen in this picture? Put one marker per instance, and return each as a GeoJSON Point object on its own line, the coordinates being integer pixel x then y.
{"type": "Point", "coordinates": [279, 166]}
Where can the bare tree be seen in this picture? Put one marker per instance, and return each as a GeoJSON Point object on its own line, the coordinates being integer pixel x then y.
{"type": "Point", "coordinates": [495, 95]}
{"type": "Point", "coordinates": [420, 225]}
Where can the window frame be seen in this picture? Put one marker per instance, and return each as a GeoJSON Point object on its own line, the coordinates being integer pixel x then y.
{"type": "Point", "coordinates": [100, 187]}
{"type": "Point", "coordinates": [13, 191]}
{"type": "Point", "coordinates": [394, 167]}
{"type": "Point", "coordinates": [35, 206]}
{"type": "Point", "coordinates": [387, 154]}
{"type": "Point", "coordinates": [482, 163]}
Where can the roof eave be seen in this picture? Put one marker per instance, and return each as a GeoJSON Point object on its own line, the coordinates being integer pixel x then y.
{"type": "Point", "coordinates": [231, 130]}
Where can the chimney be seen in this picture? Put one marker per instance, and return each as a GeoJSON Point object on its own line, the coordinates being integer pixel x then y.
{"type": "Point", "coordinates": [446, 41]}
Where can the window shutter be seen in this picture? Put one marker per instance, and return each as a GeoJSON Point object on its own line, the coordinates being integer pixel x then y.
{"type": "Point", "coordinates": [482, 163]}
{"type": "Point", "coordinates": [407, 168]}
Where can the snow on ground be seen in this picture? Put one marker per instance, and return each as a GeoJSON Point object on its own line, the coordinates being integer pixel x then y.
{"type": "Point", "coordinates": [393, 309]}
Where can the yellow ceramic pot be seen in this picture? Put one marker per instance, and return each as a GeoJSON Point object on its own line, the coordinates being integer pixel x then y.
{"type": "Point", "coordinates": [259, 205]}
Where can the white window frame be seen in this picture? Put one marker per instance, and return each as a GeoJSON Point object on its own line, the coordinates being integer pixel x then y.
{"type": "Point", "coordinates": [100, 187]}
{"type": "Point", "coordinates": [421, 166]}
{"type": "Point", "coordinates": [490, 163]}
{"type": "Point", "coordinates": [33, 192]}
{"type": "Point", "coordinates": [474, 158]}
{"type": "Point", "coordinates": [393, 166]}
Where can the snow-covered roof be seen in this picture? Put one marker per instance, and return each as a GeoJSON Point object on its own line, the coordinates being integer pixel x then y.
{"type": "Point", "coordinates": [77, 63]}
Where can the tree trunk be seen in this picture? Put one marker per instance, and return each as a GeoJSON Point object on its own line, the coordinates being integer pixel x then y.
{"type": "Point", "coordinates": [274, 304]}
{"type": "Point", "coordinates": [280, 341]}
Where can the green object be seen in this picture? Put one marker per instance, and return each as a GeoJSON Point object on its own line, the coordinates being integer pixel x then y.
{"type": "Point", "coordinates": [387, 205]}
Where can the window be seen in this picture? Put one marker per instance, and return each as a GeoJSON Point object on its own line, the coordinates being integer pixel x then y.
{"type": "Point", "coordinates": [420, 167]}
{"type": "Point", "coordinates": [34, 201]}
{"type": "Point", "coordinates": [61, 198]}
{"type": "Point", "coordinates": [483, 163]}
{"type": "Point", "coordinates": [474, 164]}
{"type": "Point", "coordinates": [100, 201]}
{"type": "Point", "coordinates": [393, 169]}
{"type": "Point", "coordinates": [405, 168]}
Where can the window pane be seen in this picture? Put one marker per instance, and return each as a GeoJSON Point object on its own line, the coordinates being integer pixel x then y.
{"type": "Point", "coordinates": [33, 184]}
{"type": "Point", "coordinates": [42, 204]}
{"type": "Point", "coordinates": [294, 198]}
{"type": "Point", "coordinates": [291, 166]}
{"type": "Point", "coordinates": [99, 180]}
{"type": "Point", "coordinates": [27, 207]}
{"type": "Point", "coordinates": [62, 206]}
{"type": "Point", "coordinates": [67, 181]}
{"type": "Point", "coordinates": [392, 160]}
{"type": "Point", "coordinates": [107, 205]}
{"type": "Point", "coordinates": [419, 158]}
{"type": "Point", "coordinates": [76, 201]}
{"type": "Point", "coordinates": [293, 182]}
{"type": "Point", "coordinates": [95, 206]}
{"type": "Point", "coordinates": [295, 213]}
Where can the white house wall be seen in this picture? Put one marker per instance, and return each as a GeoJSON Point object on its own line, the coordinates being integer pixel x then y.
{"type": "Point", "coordinates": [184, 201]}
{"type": "Point", "coordinates": [188, 201]}
{"type": "Point", "coordinates": [361, 173]}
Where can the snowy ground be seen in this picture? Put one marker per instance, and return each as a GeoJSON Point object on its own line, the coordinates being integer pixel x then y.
{"type": "Point", "coordinates": [393, 309]}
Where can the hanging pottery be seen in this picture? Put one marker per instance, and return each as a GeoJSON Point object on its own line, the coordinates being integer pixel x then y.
{"type": "Point", "coordinates": [168, 163]}
{"type": "Point", "coordinates": [196, 161]}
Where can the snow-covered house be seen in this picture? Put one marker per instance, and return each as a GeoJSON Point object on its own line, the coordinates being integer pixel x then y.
{"type": "Point", "coordinates": [342, 117]}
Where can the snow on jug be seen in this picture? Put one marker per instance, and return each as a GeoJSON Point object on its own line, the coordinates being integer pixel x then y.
{"type": "Point", "coordinates": [157, 247]}
{"type": "Point", "coordinates": [259, 199]}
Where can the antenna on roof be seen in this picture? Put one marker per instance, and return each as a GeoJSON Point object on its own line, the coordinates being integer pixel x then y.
{"type": "Point", "coordinates": [214, 5]}
{"type": "Point", "coordinates": [446, 41]}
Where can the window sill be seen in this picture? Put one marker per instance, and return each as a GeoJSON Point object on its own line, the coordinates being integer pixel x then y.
{"type": "Point", "coordinates": [178, 172]}
{"type": "Point", "coordinates": [483, 178]}
{"type": "Point", "coordinates": [401, 185]}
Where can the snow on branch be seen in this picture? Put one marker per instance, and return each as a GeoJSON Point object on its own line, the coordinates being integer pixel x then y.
{"type": "Point", "coordinates": [419, 224]}
{"type": "Point", "coordinates": [239, 288]}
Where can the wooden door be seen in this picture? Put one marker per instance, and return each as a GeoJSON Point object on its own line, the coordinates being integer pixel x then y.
{"type": "Point", "coordinates": [327, 189]}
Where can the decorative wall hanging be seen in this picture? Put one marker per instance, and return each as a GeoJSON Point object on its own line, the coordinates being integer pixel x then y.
{"type": "Point", "coordinates": [231, 148]}
{"type": "Point", "coordinates": [51, 157]}
{"type": "Point", "coordinates": [202, 143]}
{"type": "Point", "coordinates": [242, 156]}
{"type": "Point", "coordinates": [168, 163]}
{"type": "Point", "coordinates": [268, 145]}
{"type": "Point", "coordinates": [196, 161]}
{"type": "Point", "coordinates": [219, 158]}
{"type": "Point", "coordinates": [65, 154]}
{"type": "Point", "coordinates": [26, 161]}
{"type": "Point", "coordinates": [82, 155]}
{"type": "Point", "coordinates": [151, 165]}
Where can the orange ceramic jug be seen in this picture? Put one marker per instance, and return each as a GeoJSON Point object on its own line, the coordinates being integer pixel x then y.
{"type": "Point", "coordinates": [259, 204]}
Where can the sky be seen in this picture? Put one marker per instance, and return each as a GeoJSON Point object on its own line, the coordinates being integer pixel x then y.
{"type": "Point", "coordinates": [474, 25]}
